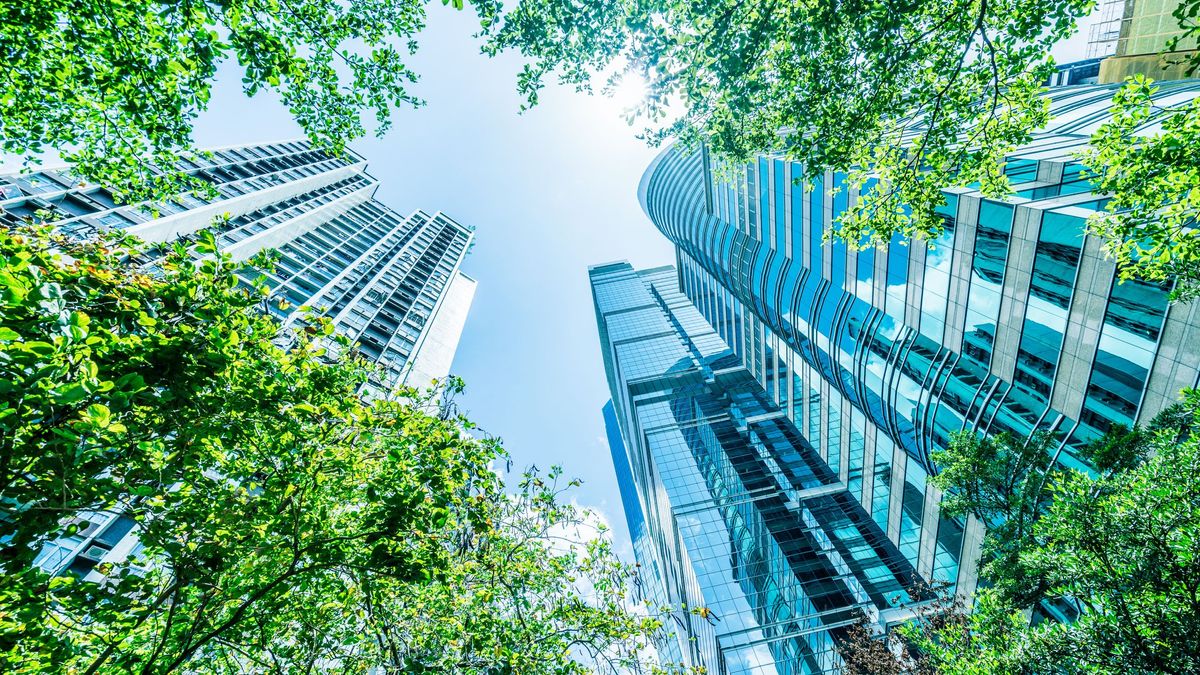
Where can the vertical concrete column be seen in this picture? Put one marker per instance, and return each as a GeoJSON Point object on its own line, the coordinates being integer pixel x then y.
{"type": "Point", "coordinates": [1085, 319]}
{"type": "Point", "coordinates": [1018, 274]}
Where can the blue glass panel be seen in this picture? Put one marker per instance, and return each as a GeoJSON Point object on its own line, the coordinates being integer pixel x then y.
{"type": "Point", "coordinates": [816, 200]}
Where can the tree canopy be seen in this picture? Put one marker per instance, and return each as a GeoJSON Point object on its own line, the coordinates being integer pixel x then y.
{"type": "Point", "coordinates": [887, 90]}
{"type": "Point", "coordinates": [115, 85]}
{"type": "Point", "coordinates": [915, 94]}
{"type": "Point", "coordinates": [1115, 550]}
{"type": "Point", "coordinates": [284, 523]}
{"type": "Point", "coordinates": [1150, 224]}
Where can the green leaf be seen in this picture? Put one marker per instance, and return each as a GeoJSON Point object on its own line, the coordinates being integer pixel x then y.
{"type": "Point", "coordinates": [99, 414]}
{"type": "Point", "coordinates": [40, 348]}
{"type": "Point", "coordinates": [72, 394]}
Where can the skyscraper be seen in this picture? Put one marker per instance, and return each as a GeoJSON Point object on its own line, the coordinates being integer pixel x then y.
{"type": "Point", "coordinates": [649, 582]}
{"type": "Point", "coordinates": [1012, 321]}
{"type": "Point", "coordinates": [736, 520]}
{"type": "Point", "coordinates": [1136, 35]}
{"type": "Point", "coordinates": [390, 282]}
{"type": "Point", "coordinates": [1105, 30]}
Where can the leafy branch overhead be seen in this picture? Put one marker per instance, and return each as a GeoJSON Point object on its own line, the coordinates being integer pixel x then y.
{"type": "Point", "coordinates": [919, 94]}
{"type": "Point", "coordinates": [904, 97]}
{"type": "Point", "coordinates": [115, 84]}
{"type": "Point", "coordinates": [1150, 224]}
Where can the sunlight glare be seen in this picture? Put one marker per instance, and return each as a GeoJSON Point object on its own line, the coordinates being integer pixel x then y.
{"type": "Point", "coordinates": [630, 92]}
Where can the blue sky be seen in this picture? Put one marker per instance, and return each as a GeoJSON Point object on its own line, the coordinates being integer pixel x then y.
{"type": "Point", "coordinates": [549, 193]}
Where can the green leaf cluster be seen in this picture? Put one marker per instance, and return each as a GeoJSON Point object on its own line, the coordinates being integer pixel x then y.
{"type": "Point", "coordinates": [1117, 545]}
{"type": "Point", "coordinates": [285, 523]}
{"type": "Point", "coordinates": [115, 85]}
{"type": "Point", "coordinates": [1154, 179]}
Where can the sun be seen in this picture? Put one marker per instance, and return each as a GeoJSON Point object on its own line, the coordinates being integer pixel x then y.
{"type": "Point", "coordinates": [630, 91]}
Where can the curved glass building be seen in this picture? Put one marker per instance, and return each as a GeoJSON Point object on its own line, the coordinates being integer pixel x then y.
{"type": "Point", "coordinates": [739, 527]}
{"type": "Point", "coordinates": [1011, 321]}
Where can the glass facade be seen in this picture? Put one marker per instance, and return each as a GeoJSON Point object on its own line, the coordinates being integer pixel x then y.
{"type": "Point", "coordinates": [1147, 27]}
{"type": "Point", "coordinates": [649, 582]}
{"type": "Point", "coordinates": [390, 282]}
{"type": "Point", "coordinates": [733, 514]}
{"type": "Point", "coordinates": [1010, 320]}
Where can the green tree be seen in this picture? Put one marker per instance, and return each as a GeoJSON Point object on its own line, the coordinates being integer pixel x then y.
{"type": "Point", "coordinates": [1150, 224]}
{"type": "Point", "coordinates": [285, 523]}
{"type": "Point", "coordinates": [943, 638]}
{"type": "Point", "coordinates": [1002, 480]}
{"type": "Point", "coordinates": [114, 85]}
{"type": "Point", "coordinates": [539, 585]}
{"type": "Point", "coordinates": [918, 94]}
{"type": "Point", "coordinates": [1118, 543]}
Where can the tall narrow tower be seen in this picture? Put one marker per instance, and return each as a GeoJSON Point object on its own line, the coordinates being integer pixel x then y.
{"type": "Point", "coordinates": [737, 521]}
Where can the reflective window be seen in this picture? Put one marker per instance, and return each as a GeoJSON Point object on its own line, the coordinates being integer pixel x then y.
{"type": "Point", "coordinates": [881, 489]}
{"type": "Point", "coordinates": [897, 277]}
{"type": "Point", "coordinates": [816, 198]}
{"type": "Point", "coordinates": [936, 284]}
{"type": "Point", "coordinates": [912, 511]}
{"type": "Point", "coordinates": [855, 457]}
{"type": "Point", "coordinates": [1135, 314]}
{"type": "Point", "coordinates": [987, 277]}
{"type": "Point", "coordinates": [1054, 267]}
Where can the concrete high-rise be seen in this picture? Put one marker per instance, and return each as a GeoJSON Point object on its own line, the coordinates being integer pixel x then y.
{"type": "Point", "coordinates": [390, 282]}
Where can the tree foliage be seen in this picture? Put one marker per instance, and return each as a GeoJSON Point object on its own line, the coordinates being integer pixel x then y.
{"type": "Point", "coordinates": [1150, 224]}
{"type": "Point", "coordinates": [1002, 481]}
{"type": "Point", "coordinates": [285, 524]}
{"type": "Point", "coordinates": [943, 638]}
{"type": "Point", "coordinates": [1118, 544]}
{"type": "Point", "coordinates": [541, 585]}
{"type": "Point", "coordinates": [919, 94]}
{"type": "Point", "coordinates": [1187, 15]}
{"type": "Point", "coordinates": [905, 97]}
{"type": "Point", "coordinates": [115, 85]}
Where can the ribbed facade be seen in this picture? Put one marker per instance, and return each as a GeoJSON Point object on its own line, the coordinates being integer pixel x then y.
{"type": "Point", "coordinates": [736, 520]}
{"type": "Point", "coordinates": [1011, 320]}
{"type": "Point", "coordinates": [390, 282]}
{"type": "Point", "coordinates": [380, 275]}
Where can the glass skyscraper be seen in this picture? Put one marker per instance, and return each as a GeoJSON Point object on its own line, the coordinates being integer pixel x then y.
{"type": "Point", "coordinates": [1013, 320]}
{"type": "Point", "coordinates": [736, 520]}
{"type": "Point", "coordinates": [390, 282]}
